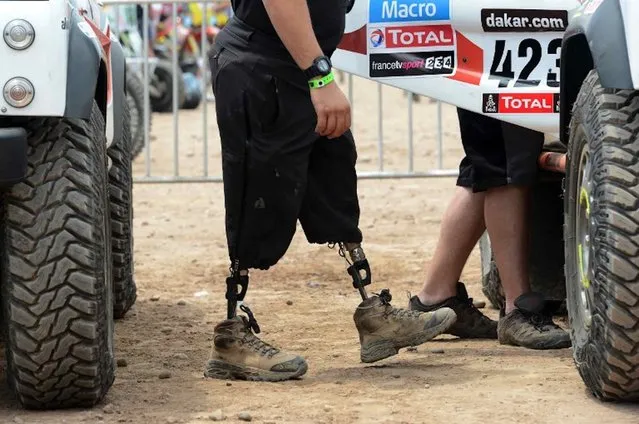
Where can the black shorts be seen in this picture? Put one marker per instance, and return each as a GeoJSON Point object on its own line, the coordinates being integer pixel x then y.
{"type": "Point", "coordinates": [276, 169]}
{"type": "Point", "coordinates": [497, 153]}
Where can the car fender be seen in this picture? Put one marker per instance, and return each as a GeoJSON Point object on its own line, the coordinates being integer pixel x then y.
{"type": "Point", "coordinates": [595, 39]}
{"type": "Point", "coordinates": [84, 65]}
{"type": "Point", "coordinates": [118, 87]}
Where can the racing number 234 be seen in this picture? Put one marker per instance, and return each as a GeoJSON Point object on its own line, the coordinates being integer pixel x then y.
{"type": "Point", "coordinates": [531, 49]}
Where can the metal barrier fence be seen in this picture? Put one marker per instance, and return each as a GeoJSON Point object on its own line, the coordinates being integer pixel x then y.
{"type": "Point", "coordinates": [148, 173]}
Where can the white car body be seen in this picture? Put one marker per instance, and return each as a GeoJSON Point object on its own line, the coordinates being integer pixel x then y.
{"type": "Point", "coordinates": [455, 31]}
{"type": "Point", "coordinates": [45, 62]}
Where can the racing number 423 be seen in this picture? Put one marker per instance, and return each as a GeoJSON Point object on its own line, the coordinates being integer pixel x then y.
{"type": "Point", "coordinates": [528, 48]}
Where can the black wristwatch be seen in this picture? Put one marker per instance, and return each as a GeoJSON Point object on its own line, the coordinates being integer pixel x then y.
{"type": "Point", "coordinates": [321, 67]}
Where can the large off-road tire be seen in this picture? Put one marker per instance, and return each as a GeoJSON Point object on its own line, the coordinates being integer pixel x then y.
{"type": "Point", "coordinates": [56, 268]}
{"type": "Point", "coordinates": [602, 239]}
{"type": "Point", "coordinates": [135, 99]}
{"type": "Point", "coordinates": [163, 79]}
{"type": "Point", "coordinates": [121, 197]}
{"type": "Point", "coordinates": [546, 249]}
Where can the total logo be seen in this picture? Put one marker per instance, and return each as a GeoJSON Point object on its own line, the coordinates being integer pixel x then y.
{"type": "Point", "coordinates": [519, 103]}
{"type": "Point", "coordinates": [412, 36]}
{"type": "Point", "coordinates": [377, 38]}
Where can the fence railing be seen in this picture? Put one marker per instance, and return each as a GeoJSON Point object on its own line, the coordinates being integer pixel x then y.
{"type": "Point", "coordinates": [409, 129]}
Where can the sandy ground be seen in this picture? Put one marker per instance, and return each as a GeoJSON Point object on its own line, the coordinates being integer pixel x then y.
{"type": "Point", "coordinates": [181, 264]}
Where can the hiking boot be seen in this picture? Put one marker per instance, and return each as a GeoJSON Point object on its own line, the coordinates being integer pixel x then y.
{"type": "Point", "coordinates": [470, 324]}
{"type": "Point", "coordinates": [530, 325]}
{"type": "Point", "coordinates": [239, 354]}
{"type": "Point", "coordinates": [383, 329]}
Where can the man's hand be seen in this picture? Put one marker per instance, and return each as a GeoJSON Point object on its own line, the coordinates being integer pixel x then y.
{"type": "Point", "coordinates": [292, 22]}
{"type": "Point", "coordinates": [333, 110]}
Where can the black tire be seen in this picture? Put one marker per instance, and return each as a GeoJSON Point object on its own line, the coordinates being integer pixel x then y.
{"type": "Point", "coordinates": [121, 198]}
{"type": "Point", "coordinates": [135, 99]}
{"type": "Point", "coordinates": [193, 88]}
{"type": "Point", "coordinates": [163, 75]}
{"type": "Point", "coordinates": [605, 324]}
{"type": "Point", "coordinates": [546, 249]}
{"type": "Point", "coordinates": [56, 268]}
{"type": "Point", "coordinates": [192, 102]}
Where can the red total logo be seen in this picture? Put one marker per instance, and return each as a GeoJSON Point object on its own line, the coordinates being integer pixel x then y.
{"type": "Point", "coordinates": [419, 36]}
{"type": "Point", "coordinates": [526, 103]}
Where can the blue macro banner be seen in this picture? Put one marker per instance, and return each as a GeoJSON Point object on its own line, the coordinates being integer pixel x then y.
{"type": "Point", "coordinates": [389, 11]}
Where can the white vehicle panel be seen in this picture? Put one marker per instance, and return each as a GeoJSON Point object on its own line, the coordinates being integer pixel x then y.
{"type": "Point", "coordinates": [630, 12]}
{"type": "Point", "coordinates": [496, 57]}
{"type": "Point", "coordinates": [44, 63]}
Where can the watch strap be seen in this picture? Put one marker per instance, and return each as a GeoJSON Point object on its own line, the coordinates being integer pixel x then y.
{"type": "Point", "coordinates": [322, 81]}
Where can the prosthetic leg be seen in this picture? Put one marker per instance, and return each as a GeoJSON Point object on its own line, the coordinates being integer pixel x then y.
{"type": "Point", "coordinates": [358, 269]}
{"type": "Point", "coordinates": [236, 288]}
{"type": "Point", "coordinates": [237, 352]}
{"type": "Point", "coordinates": [384, 329]}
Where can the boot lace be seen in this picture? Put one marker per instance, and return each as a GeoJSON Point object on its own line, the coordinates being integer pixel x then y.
{"type": "Point", "coordinates": [385, 297]}
{"type": "Point", "coordinates": [252, 322]}
{"type": "Point", "coordinates": [541, 322]}
{"type": "Point", "coordinates": [259, 345]}
{"type": "Point", "coordinates": [251, 340]}
{"type": "Point", "coordinates": [476, 314]}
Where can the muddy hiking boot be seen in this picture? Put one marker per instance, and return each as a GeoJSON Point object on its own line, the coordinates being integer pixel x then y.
{"type": "Point", "coordinates": [530, 325]}
{"type": "Point", "coordinates": [470, 324]}
{"type": "Point", "coordinates": [239, 354]}
{"type": "Point", "coordinates": [383, 329]}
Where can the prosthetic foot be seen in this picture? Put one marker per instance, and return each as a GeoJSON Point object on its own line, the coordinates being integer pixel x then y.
{"type": "Point", "coordinates": [238, 353]}
{"type": "Point", "coordinates": [384, 329]}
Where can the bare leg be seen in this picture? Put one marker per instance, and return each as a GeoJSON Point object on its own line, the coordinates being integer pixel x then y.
{"type": "Point", "coordinates": [527, 325]}
{"type": "Point", "coordinates": [462, 226]}
{"type": "Point", "coordinates": [506, 214]}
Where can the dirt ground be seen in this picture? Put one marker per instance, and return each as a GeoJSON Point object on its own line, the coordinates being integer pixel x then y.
{"type": "Point", "coordinates": [305, 304]}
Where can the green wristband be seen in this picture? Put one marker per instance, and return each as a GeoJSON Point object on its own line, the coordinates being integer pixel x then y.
{"type": "Point", "coordinates": [321, 82]}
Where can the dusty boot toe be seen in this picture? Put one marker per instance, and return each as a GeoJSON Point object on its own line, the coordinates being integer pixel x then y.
{"type": "Point", "coordinates": [296, 365]}
{"type": "Point", "coordinates": [439, 320]}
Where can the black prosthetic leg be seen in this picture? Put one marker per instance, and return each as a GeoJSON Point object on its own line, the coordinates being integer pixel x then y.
{"type": "Point", "coordinates": [236, 281]}
{"type": "Point", "coordinates": [358, 269]}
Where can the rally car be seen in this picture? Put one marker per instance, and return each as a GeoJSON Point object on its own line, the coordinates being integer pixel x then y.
{"type": "Point", "coordinates": [568, 69]}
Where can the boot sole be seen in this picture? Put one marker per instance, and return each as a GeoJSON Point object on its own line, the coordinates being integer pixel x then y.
{"type": "Point", "coordinates": [382, 349]}
{"type": "Point", "coordinates": [550, 345]}
{"type": "Point", "coordinates": [224, 371]}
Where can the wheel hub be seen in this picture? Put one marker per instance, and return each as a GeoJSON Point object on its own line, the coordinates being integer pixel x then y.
{"type": "Point", "coordinates": [584, 223]}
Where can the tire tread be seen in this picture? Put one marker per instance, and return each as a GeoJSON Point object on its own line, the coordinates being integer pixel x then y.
{"type": "Point", "coordinates": [53, 275]}
{"type": "Point", "coordinates": [121, 197]}
{"type": "Point", "coordinates": [609, 361]}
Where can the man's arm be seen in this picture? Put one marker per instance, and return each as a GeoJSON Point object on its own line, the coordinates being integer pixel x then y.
{"type": "Point", "coordinates": [292, 21]}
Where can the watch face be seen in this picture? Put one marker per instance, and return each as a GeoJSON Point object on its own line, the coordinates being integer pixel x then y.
{"type": "Point", "coordinates": [323, 66]}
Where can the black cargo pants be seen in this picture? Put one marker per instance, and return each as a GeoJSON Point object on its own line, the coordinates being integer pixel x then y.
{"type": "Point", "coordinates": [276, 169]}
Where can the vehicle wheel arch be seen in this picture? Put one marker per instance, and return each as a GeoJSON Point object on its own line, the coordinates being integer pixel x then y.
{"type": "Point", "coordinates": [577, 62]}
{"type": "Point", "coordinates": [595, 39]}
{"type": "Point", "coordinates": [101, 89]}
